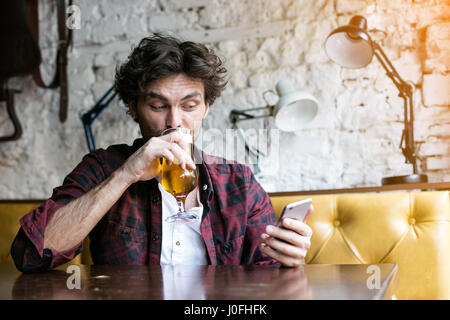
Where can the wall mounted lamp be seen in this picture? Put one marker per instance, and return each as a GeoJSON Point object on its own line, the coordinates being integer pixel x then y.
{"type": "Point", "coordinates": [293, 110]}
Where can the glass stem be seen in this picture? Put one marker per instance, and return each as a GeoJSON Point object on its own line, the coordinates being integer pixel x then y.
{"type": "Point", "coordinates": [180, 206]}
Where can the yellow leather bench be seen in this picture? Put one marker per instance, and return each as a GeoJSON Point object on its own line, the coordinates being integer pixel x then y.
{"type": "Point", "coordinates": [10, 213]}
{"type": "Point", "coordinates": [411, 229]}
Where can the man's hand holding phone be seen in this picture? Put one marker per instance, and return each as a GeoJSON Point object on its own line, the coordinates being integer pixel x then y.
{"type": "Point", "coordinates": [289, 241]}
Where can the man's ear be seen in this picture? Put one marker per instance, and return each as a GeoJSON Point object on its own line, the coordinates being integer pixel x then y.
{"type": "Point", "coordinates": [132, 108]}
{"type": "Point", "coordinates": [206, 110]}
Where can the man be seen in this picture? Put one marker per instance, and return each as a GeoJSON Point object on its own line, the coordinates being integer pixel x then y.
{"type": "Point", "coordinates": [114, 196]}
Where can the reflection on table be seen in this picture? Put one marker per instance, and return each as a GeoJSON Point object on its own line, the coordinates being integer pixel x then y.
{"type": "Point", "coordinates": [168, 282]}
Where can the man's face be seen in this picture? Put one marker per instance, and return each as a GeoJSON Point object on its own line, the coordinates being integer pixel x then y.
{"type": "Point", "coordinates": [171, 102]}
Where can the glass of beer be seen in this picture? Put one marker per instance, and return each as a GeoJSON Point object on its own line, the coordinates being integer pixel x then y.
{"type": "Point", "coordinates": [177, 181]}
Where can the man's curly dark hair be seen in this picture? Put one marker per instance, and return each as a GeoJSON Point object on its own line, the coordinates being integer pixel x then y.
{"type": "Point", "coordinates": [160, 56]}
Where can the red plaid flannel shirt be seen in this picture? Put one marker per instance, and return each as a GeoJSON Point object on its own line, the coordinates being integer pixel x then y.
{"type": "Point", "coordinates": [236, 211]}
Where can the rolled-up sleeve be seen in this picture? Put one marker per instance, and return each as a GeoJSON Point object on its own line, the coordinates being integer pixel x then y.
{"type": "Point", "coordinates": [27, 249]}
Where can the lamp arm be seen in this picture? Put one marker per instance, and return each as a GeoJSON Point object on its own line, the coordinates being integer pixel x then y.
{"type": "Point", "coordinates": [403, 86]}
{"type": "Point", "coordinates": [240, 115]}
{"type": "Point", "coordinates": [88, 117]}
{"type": "Point", "coordinates": [406, 93]}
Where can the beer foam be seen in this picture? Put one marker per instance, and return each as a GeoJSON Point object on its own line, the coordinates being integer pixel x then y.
{"type": "Point", "coordinates": [185, 137]}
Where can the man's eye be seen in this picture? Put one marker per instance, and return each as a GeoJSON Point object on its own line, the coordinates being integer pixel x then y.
{"type": "Point", "coordinates": [192, 106]}
{"type": "Point", "coordinates": [157, 107]}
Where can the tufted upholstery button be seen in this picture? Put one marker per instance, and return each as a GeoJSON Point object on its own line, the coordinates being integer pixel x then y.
{"type": "Point", "coordinates": [337, 223]}
{"type": "Point", "coordinates": [412, 221]}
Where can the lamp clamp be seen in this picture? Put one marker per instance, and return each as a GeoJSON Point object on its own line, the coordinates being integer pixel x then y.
{"type": "Point", "coordinates": [241, 115]}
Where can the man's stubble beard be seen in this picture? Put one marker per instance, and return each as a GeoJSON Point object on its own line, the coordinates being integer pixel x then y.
{"type": "Point", "coordinates": [147, 133]}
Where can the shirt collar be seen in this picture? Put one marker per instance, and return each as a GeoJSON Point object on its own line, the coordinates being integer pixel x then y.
{"type": "Point", "coordinates": [205, 183]}
{"type": "Point", "coordinates": [138, 143]}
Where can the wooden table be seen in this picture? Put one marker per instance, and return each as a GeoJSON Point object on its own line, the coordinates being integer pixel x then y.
{"type": "Point", "coordinates": [106, 282]}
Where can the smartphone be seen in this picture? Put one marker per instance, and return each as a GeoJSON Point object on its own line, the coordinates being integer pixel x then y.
{"type": "Point", "coordinates": [295, 210]}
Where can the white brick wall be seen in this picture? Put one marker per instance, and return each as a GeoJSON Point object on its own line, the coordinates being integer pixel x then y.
{"type": "Point", "coordinates": [436, 89]}
{"type": "Point", "coordinates": [349, 6]}
{"type": "Point", "coordinates": [353, 141]}
{"type": "Point", "coordinates": [438, 163]}
{"type": "Point", "coordinates": [438, 47]}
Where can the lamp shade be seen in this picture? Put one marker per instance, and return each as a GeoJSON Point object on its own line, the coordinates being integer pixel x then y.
{"type": "Point", "coordinates": [294, 109]}
{"type": "Point", "coordinates": [350, 46]}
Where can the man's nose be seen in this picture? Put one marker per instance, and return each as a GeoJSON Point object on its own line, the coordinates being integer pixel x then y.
{"type": "Point", "coordinates": [174, 118]}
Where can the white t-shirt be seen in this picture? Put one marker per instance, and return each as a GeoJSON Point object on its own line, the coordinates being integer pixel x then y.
{"type": "Point", "coordinates": [182, 243]}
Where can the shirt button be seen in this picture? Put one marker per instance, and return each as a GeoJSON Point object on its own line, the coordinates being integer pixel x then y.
{"type": "Point", "coordinates": [227, 247]}
{"type": "Point", "coordinates": [177, 243]}
{"type": "Point", "coordinates": [205, 187]}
